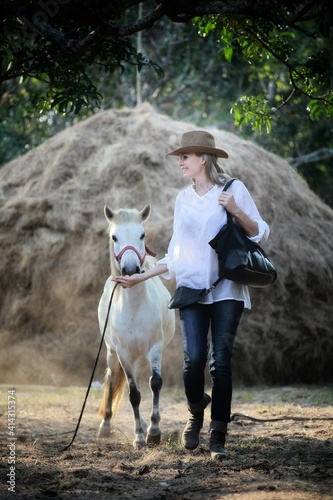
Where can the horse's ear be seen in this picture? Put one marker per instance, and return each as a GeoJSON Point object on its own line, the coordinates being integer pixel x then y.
{"type": "Point", "coordinates": [108, 212]}
{"type": "Point", "coordinates": [145, 212]}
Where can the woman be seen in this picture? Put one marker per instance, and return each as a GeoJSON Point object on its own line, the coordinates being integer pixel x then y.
{"type": "Point", "coordinates": [200, 212]}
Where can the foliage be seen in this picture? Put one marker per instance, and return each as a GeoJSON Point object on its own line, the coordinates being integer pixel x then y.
{"type": "Point", "coordinates": [231, 64]}
{"type": "Point", "coordinates": [22, 124]}
{"type": "Point", "coordinates": [57, 41]}
{"type": "Point", "coordinates": [298, 62]}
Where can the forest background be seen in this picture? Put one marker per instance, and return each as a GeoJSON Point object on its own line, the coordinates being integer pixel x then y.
{"type": "Point", "coordinates": [261, 69]}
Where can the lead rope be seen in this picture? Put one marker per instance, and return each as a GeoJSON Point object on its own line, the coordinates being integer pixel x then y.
{"type": "Point", "coordinates": [236, 417]}
{"type": "Point", "coordinates": [93, 371]}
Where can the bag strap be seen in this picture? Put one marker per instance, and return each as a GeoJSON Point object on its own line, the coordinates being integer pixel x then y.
{"type": "Point", "coordinates": [227, 186]}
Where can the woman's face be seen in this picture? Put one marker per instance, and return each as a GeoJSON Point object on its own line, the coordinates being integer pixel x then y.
{"type": "Point", "coordinates": [191, 165]}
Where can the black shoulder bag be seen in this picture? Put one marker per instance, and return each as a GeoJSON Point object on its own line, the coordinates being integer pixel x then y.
{"type": "Point", "coordinates": [240, 259]}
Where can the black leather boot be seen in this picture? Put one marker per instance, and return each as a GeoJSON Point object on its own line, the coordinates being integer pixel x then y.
{"type": "Point", "coordinates": [191, 433]}
{"type": "Point", "coordinates": [216, 445]}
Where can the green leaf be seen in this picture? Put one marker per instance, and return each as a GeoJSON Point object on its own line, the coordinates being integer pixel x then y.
{"type": "Point", "coordinates": [319, 109]}
{"type": "Point", "coordinates": [253, 111]}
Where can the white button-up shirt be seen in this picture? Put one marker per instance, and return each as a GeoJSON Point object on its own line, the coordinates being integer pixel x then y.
{"type": "Point", "coordinates": [197, 219]}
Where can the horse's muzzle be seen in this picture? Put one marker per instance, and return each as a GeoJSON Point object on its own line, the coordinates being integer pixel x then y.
{"type": "Point", "coordinates": [129, 270]}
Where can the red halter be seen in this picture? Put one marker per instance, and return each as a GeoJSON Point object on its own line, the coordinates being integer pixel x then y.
{"type": "Point", "coordinates": [141, 258]}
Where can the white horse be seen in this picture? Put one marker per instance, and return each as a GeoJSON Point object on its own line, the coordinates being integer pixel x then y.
{"type": "Point", "coordinates": [140, 325]}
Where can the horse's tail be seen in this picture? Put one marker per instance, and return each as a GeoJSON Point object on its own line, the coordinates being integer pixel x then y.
{"type": "Point", "coordinates": [118, 387]}
{"type": "Point", "coordinates": [113, 390]}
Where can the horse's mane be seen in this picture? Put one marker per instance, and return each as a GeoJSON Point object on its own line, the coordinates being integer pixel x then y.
{"type": "Point", "coordinates": [149, 262]}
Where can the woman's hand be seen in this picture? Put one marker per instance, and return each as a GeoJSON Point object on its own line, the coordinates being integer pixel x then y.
{"type": "Point", "coordinates": [128, 281]}
{"type": "Point", "coordinates": [227, 201]}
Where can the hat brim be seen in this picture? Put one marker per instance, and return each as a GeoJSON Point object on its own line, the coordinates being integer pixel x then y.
{"type": "Point", "coordinates": [199, 149]}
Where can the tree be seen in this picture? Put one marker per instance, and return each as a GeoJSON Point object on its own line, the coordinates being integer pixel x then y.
{"type": "Point", "coordinates": [253, 57]}
{"type": "Point", "coordinates": [58, 41]}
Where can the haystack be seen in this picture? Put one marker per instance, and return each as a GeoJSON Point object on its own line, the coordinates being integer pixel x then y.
{"type": "Point", "coordinates": [54, 250]}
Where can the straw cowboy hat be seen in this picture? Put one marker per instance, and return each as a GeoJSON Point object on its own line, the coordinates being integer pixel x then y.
{"type": "Point", "coordinates": [198, 141]}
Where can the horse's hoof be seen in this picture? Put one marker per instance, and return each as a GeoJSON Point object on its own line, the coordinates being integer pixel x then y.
{"type": "Point", "coordinates": [153, 440]}
{"type": "Point", "coordinates": [104, 432]}
{"type": "Point", "coordinates": [139, 443]}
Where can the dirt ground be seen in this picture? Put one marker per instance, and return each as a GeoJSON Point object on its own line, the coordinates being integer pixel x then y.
{"type": "Point", "coordinates": [286, 459]}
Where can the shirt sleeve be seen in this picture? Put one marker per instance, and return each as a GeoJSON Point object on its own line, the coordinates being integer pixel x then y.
{"type": "Point", "coordinates": [245, 201]}
{"type": "Point", "coordinates": [170, 272]}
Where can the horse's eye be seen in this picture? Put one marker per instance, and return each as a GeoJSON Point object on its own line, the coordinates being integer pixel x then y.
{"type": "Point", "coordinates": [114, 237]}
{"type": "Point", "coordinates": [142, 236]}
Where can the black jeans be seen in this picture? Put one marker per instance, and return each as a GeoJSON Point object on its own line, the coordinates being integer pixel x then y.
{"type": "Point", "coordinates": [223, 318]}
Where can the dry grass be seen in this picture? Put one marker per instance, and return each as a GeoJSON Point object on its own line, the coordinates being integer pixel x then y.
{"type": "Point", "coordinates": [284, 460]}
{"type": "Point", "coordinates": [54, 250]}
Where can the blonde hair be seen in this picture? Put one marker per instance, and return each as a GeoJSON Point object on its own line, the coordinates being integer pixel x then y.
{"type": "Point", "coordinates": [213, 170]}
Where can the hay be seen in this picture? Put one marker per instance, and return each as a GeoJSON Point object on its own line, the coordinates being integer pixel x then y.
{"type": "Point", "coordinates": [54, 250]}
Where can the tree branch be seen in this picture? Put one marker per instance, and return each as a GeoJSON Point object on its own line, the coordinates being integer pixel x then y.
{"type": "Point", "coordinates": [291, 69]}
{"type": "Point", "coordinates": [322, 154]}
{"type": "Point", "coordinates": [285, 101]}
{"type": "Point", "coordinates": [101, 31]}
{"type": "Point", "coordinates": [145, 22]}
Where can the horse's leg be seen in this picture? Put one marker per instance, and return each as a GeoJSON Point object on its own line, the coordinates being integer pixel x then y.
{"type": "Point", "coordinates": [139, 424]}
{"type": "Point", "coordinates": [113, 387]}
{"type": "Point", "coordinates": [132, 372]}
{"type": "Point", "coordinates": [105, 408]}
{"type": "Point", "coordinates": [155, 382]}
